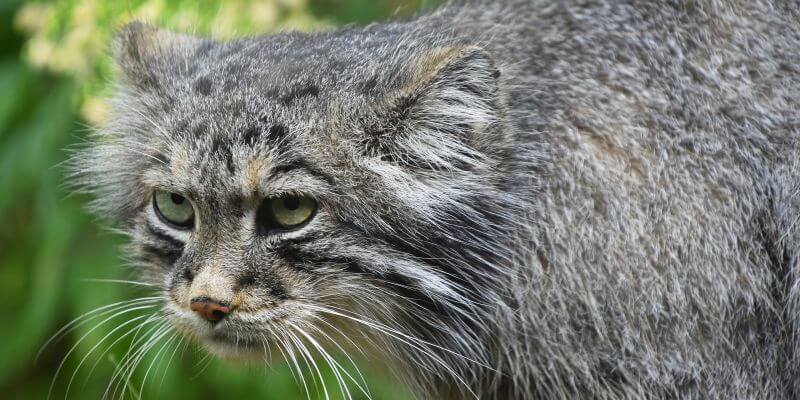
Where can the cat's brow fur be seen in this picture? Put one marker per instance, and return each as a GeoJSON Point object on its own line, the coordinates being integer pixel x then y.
{"type": "Point", "coordinates": [573, 199]}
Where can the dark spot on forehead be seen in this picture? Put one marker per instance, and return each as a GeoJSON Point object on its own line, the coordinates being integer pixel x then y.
{"type": "Point", "coordinates": [222, 149]}
{"type": "Point", "coordinates": [203, 86]}
{"type": "Point", "coordinates": [250, 136]}
{"type": "Point", "coordinates": [200, 129]}
{"type": "Point", "coordinates": [368, 86]}
{"type": "Point", "coordinates": [297, 92]}
{"type": "Point", "coordinates": [277, 132]}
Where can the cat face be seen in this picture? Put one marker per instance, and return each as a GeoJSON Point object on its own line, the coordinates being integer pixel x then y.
{"type": "Point", "coordinates": [294, 188]}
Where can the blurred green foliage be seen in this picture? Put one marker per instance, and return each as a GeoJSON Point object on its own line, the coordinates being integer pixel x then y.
{"type": "Point", "coordinates": [54, 74]}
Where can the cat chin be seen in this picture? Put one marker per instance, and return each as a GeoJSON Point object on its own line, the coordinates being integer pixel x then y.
{"type": "Point", "coordinates": [235, 352]}
{"type": "Point", "coordinates": [255, 352]}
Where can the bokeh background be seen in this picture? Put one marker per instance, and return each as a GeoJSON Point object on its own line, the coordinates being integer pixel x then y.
{"type": "Point", "coordinates": [54, 76]}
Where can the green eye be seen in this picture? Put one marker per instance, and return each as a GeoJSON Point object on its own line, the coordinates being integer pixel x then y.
{"type": "Point", "coordinates": [174, 209]}
{"type": "Point", "coordinates": [285, 212]}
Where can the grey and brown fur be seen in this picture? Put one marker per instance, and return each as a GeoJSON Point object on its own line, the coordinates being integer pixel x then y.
{"type": "Point", "coordinates": [566, 199]}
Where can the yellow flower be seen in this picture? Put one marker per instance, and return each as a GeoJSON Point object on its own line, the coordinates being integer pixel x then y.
{"type": "Point", "coordinates": [40, 51]}
{"type": "Point", "coordinates": [33, 17]}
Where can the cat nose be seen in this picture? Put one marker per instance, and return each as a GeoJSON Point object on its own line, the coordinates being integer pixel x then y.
{"type": "Point", "coordinates": [210, 309]}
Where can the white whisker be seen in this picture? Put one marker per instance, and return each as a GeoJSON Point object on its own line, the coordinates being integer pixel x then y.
{"type": "Point", "coordinates": [79, 341]}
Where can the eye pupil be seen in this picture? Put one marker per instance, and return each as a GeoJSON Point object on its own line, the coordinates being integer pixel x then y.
{"type": "Point", "coordinates": [291, 203]}
{"type": "Point", "coordinates": [177, 199]}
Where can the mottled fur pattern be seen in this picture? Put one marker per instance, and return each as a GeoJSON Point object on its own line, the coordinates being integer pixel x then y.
{"type": "Point", "coordinates": [571, 199]}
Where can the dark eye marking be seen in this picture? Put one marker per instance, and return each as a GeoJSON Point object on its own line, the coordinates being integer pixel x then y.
{"type": "Point", "coordinates": [203, 86]}
{"type": "Point", "coordinates": [175, 243]}
{"type": "Point", "coordinates": [171, 252]}
{"type": "Point", "coordinates": [161, 158]}
{"type": "Point", "coordinates": [298, 92]}
{"type": "Point", "coordinates": [302, 164]}
{"type": "Point", "coordinates": [247, 279]}
{"type": "Point", "coordinates": [170, 256]}
{"type": "Point", "coordinates": [402, 285]}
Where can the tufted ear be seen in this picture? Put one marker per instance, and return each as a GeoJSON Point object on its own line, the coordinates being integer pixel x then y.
{"type": "Point", "coordinates": [142, 50]}
{"type": "Point", "coordinates": [444, 116]}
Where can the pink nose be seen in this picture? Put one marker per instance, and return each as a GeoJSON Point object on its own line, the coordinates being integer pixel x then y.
{"type": "Point", "coordinates": [211, 310]}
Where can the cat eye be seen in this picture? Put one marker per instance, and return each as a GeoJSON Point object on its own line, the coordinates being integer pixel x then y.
{"type": "Point", "coordinates": [173, 209]}
{"type": "Point", "coordinates": [285, 212]}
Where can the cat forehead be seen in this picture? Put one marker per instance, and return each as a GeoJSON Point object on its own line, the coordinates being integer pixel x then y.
{"type": "Point", "coordinates": [218, 147]}
{"type": "Point", "coordinates": [291, 65]}
{"type": "Point", "coordinates": [283, 67]}
{"type": "Point", "coordinates": [220, 169]}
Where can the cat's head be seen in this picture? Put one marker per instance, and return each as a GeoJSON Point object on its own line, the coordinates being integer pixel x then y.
{"type": "Point", "coordinates": [302, 188]}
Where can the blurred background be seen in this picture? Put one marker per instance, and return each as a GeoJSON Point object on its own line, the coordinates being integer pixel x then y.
{"type": "Point", "coordinates": [54, 77]}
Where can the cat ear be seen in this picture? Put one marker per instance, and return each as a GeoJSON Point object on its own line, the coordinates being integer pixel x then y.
{"type": "Point", "coordinates": [446, 113]}
{"type": "Point", "coordinates": [142, 50]}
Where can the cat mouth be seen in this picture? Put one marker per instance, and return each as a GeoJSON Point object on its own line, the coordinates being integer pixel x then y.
{"type": "Point", "coordinates": [239, 336]}
{"type": "Point", "coordinates": [239, 342]}
{"type": "Point", "coordinates": [237, 347]}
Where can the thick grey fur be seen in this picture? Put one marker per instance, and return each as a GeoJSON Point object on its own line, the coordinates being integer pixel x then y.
{"type": "Point", "coordinates": [567, 199]}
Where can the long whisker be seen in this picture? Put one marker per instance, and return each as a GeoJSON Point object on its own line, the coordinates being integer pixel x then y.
{"type": "Point", "coordinates": [128, 359]}
{"type": "Point", "coordinates": [295, 363]}
{"type": "Point", "coordinates": [75, 323]}
{"type": "Point", "coordinates": [386, 329]}
{"type": "Point", "coordinates": [267, 351]}
{"type": "Point", "coordinates": [413, 342]}
{"type": "Point", "coordinates": [365, 388]}
{"type": "Point", "coordinates": [333, 369]}
{"type": "Point", "coordinates": [332, 364]}
{"type": "Point", "coordinates": [122, 281]}
{"type": "Point", "coordinates": [134, 330]}
{"type": "Point", "coordinates": [206, 361]}
{"type": "Point", "coordinates": [75, 345]}
{"type": "Point", "coordinates": [145, 349]}
{"type": "Point", "coordinates": [155, 358]}
{"type": "Point", "coordinates": [335, 366]}
{"type": "Point", "coordinates": [280, 346]}
{"type": "Point", "coordinates": [310, 360]}
{"type": "Point", "coordinates": [133, 361]}
{"type": "Point", "coordinates": [171, 357]}
{"type": "Point", "coordinates": [100, 342]}
{"type": "Point", "coordinates": [116, 365]}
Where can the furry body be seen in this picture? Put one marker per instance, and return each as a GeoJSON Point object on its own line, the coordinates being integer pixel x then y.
{"type": "Point", "coordinates": [584, 199]}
